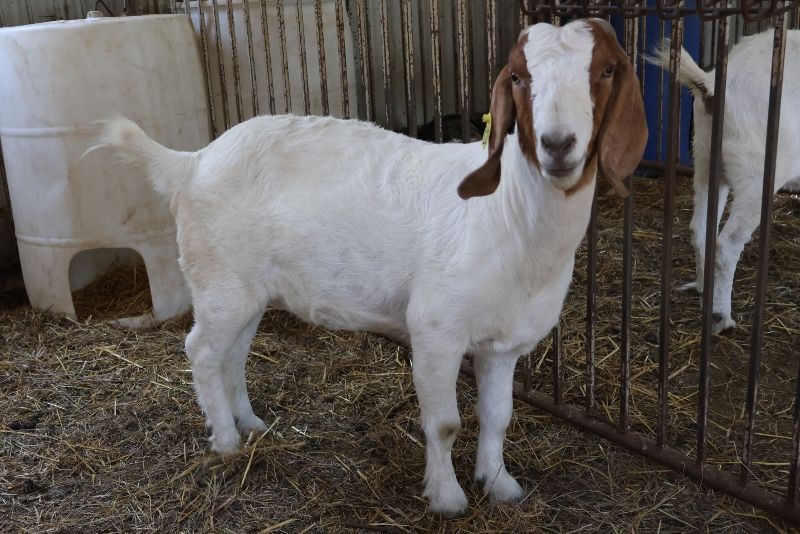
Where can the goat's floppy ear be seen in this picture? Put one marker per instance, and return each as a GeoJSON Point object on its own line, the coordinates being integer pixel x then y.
{"type": "Point", "coordinates": [484, 180]}
{"type": "Point", "coordinates": [623, 133]}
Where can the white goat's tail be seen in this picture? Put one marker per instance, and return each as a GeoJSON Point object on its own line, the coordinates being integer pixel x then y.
{"type": "Point", "coordinates": [165, 168]}
{"type": "Point", "coordinates": [699, 82]}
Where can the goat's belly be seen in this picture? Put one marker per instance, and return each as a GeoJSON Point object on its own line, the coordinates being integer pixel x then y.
{"type": "Point", "coordinates": [346, 312]}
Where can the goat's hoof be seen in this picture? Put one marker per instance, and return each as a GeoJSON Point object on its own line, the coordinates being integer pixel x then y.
{"type": "Point", "coordinates": [505, 490]}
{"type": "Point", "coordinates": [225, 443]}
{"type": "Point", "coordinates": [691, 287]}
{"type": "Point", "coordinates": [250, 424]}
{"type": "Point", "coordinates": [721, 323]}
{"type": "Point", "coordinates": [446, 500]}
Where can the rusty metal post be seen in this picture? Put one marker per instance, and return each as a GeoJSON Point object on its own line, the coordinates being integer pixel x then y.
{"type": "Point", "coordinates": [267, 56]}
{"type": "Point", "coordinates": [627, 266]}
{"type": "Point", "coordinates": [323, 74]}
{"type": "Point", "coordinates": [436, 67]}
{"type": "Point", "coordinates": [557, 363]}
{"type": "Point", "coordinates": [237, 89]}
{"type": "Point", "coordinates": [666, 251]}
{"type": "Point", "coordinates": [591, 293]}
{"type": "Point", "coordinates": [303, 61]}
{"type": "Point", "coordinates": [340, 38]}
{"type": "Point", "coordinates": [463, 55]}
{"type": "Point", "coordinates": [226, 121]}
{"type": "Point", "coordinates": [287, 94]}
{"type": "Point", "coordinates": [767, 193]}
{"type": "Point", "coordinates": [408, 67]}
{"type": "Point", "coordinates": [714, 175]}
{"type": "Point", "coordinates": [251, 56]}
{"type": "Point", "coordinates": [387, 64]}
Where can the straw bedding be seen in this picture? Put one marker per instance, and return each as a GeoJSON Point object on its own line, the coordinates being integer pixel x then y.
{"type": "Point", "coordinates": [99, 430]}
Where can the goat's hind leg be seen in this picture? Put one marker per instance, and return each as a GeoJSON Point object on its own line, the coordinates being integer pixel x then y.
{"type": "Point", "coordinates": [235, 384]}
{"type": "Point", "coordinates": [220, 326]}
{"type": "Point", "coordinates": [699, 224]}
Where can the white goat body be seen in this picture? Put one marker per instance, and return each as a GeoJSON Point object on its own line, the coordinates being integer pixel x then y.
{"type": "Point", "coordinates": [354, 227]}
{"type": "Point", "coordinates": [743, 151]}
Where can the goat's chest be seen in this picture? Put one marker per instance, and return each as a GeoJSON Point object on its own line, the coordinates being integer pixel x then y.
{"type": "Point", "coordinates": [515, 320]}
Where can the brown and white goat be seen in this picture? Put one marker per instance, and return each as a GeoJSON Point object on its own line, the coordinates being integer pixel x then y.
{"type": "Point", "coordinates": [354, 227]}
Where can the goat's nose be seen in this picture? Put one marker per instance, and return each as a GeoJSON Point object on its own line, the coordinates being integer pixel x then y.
{"type": "Point", "coordinates": [558, 144]}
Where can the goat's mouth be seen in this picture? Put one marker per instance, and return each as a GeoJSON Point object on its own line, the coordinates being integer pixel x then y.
{"type": "Point", "coordinates": [559, 172]}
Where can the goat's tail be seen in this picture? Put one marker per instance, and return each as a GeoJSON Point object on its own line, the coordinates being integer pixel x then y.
{"type": "Point", "coordinates": [165, 168]}
{"type": "Point", "coordinates": [699, 82]}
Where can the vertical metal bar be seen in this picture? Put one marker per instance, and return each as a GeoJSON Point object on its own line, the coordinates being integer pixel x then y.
{"type": "Point", "coordinates": [491, 42]}
{"type": "Point", "coordinates": [423, 68]}
{"type": "Point", "coordinates": [237, 89]}
{"type": "Point", "coordinates": [591, 292]}
{"type": "Point", "coordinates": [267, 56]}
{"type": "Point", "coordinates": [84, 11]}
{"type": "Point", "coordinates": [715, 171]}
{"type": "Point", "coordinates": [767, 193]}
{"type": "Point", "coordinates": [303, 60]}
{"type": "Point", "coordinates": [252, 56]}
{"type": "Point", "coordinates": [221, 66]}
{"type": "Point", "coordinates": [365, 52]}
{"type": "Point", "coordinates": [463, 67]}
{"type": "Point", "coordinates": [557, 363]}
{"type": "Point", "coordinates": [29, 11]}
{"type": "Point", "coordinates": [660, 119]}
{"type": "Point", "coordinates": [287, 94]}
{"type": "Point", "coordinates": [436, 67]}
{"type": "Point", "coordinates": [201, 19]}
{"type": "Point", "coordinates": [627, 267]}
{"type": "Point", "coordinates": [408, 64]}
{"type": "Point", "coordinates": [666, 251]}
{"type": "Point", "coordinates": [387, 64]}
{"type": "Point", "coordinates": [343, 80]}
{"type": "Point", "coordinates": [527, 379]}
{"type": "Point", "coordinates": [323, 73]}
{"type": "Point", "coordinates": [794, 467]}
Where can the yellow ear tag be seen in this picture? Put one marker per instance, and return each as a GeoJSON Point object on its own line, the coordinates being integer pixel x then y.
{"type": "Point", "coordinates": [487, 118]}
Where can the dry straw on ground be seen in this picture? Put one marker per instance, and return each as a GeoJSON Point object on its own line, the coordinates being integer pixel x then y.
{"type": "Point", "coordinates": [99, 430]}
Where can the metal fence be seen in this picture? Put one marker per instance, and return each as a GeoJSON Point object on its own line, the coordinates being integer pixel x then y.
{"type": "Point", "coordinates": [425, 67]}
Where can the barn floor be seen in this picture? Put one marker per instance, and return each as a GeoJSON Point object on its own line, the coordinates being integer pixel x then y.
{"type": "Point", "coordinates": [99, 430]}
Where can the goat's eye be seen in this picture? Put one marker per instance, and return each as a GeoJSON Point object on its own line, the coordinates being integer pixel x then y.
{"type": "Point", "coordinates": [608, 71]}
{"type": "Point", "coordinates": [514, 77]}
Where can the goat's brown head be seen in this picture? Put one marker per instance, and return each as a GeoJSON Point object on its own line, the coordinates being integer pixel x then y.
{"type": "Point", "coordinates": [575, 100]}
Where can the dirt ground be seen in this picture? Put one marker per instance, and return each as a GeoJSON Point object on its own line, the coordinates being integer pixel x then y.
{"type": "Point", "coordinates": [99, 430]}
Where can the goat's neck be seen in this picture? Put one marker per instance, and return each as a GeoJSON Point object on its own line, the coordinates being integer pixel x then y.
{"type": "Point", "coordinates": [535, 217]}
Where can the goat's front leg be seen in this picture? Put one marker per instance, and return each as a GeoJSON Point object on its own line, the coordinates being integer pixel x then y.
{"type": "Point", "coordinates": [435, 369]}
{"type": "Point", "coordinates": [495, 375]}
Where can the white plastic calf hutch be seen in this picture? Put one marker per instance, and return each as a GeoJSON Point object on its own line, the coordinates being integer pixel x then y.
{"type": "Point", "coordinates": [77, 214]}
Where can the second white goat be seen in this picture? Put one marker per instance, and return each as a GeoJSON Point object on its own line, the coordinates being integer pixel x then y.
{"type": "Point", "coordinates": [743, 150]}
{"type": "Point", "coordinates": [354, 227]}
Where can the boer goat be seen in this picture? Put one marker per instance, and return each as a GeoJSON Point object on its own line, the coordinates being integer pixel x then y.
{"type": "Point", "coordinates": [452, 248]}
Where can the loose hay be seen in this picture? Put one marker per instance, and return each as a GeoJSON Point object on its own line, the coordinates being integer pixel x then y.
{"type": "Point", "coordinates": [100, 431]}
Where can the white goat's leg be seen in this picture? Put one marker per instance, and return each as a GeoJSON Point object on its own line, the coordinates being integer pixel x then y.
{"type": "Point", "coordinates": [435, 370]}
{"type": "Point", "coordinates": [208, 346]}
{"type": "Point", "coordinates": [743, 220]}
{"type": "Point", "coordinates": [495, 375]}
{"type": "Point", "coordinates": [698, 227]}
{"type": "Point", "coordinates": [235, 384]}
